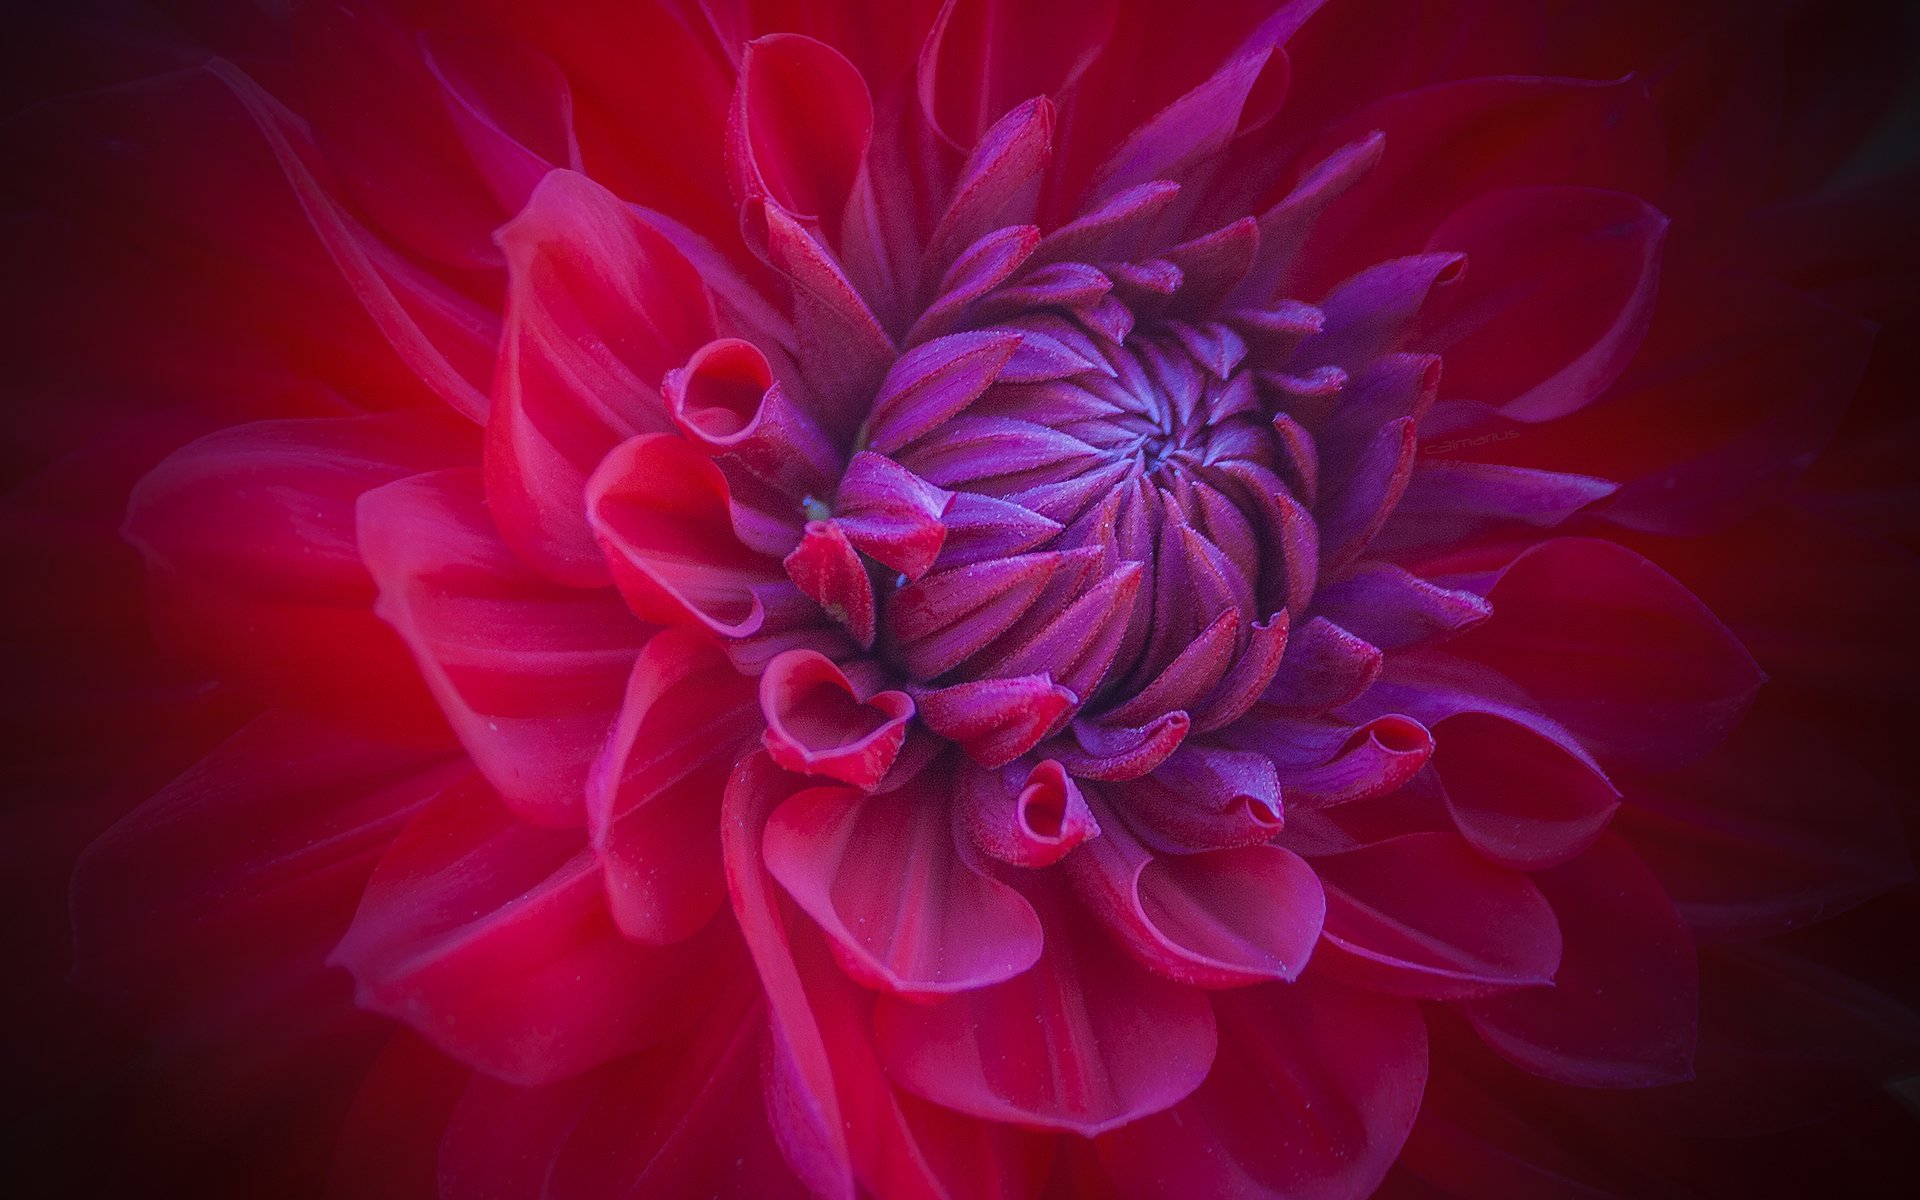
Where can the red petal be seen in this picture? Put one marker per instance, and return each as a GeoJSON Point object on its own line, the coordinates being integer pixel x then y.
{"type": "Point", "coordinates": [388, 1145]}
{"type": "Point", "coordinates": [254, 571]}
{"type": "Point", "coordinates": [1085, 1041]}
{"type": "Point", "coordinates": [830, 572]}
{"type": "Point", "coordinates": [803, 1107]}
{"type": "Point", "coordinates": [1623, 1008]}
{"type": "Point", "coordinates": [818, 725]}
{"type": "Point", "coordinates": [1557, 300]}
{"type": "Point", "coordinates": [892, 514]}
{"type": "Point", "coordinates": [251, 858]}
{"type": "Point", "coordinates": [529, 673]}
{"type": "Point", "coordinates": [1745, 848]}
{"type": "Point", "coordinates": [725, 398]}
{"type": "Point", "coordinates": [901, 908]}
{"type": "Point", "coordinates": [996, 720]}
{"type": "Point", "coordinates": [492, 939]}
{"type": "Point", "coordinates": [800, 126]}
{"type": "Point", "coordinates": [1029, 818]}
{"type": "Point", "coordinates": [1423, 915]}
{"type": "Point", "coordinates": [1520, 798]}
{"type": "Point", "coordinates": [1449, 143]}
{"type": "Point", "coordinates": [1310, 1098]}
{"type": "Point", "coordinates": [663, 515]}
{"type": "Point", "coordinates": [1220, 918]}
{"type": "Point", "coordinates": [653, 799]}
{"type": "Point", "coordinates": [599, 308]}
{"type": "Point", "coordinates": [686, 1119]}
{"type": "Point", "coordinates": [983, 57]}
{"type": "Point", "coordinates": [1613, 647]}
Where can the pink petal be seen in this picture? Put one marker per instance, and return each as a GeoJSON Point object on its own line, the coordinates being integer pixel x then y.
{"type": "Point", "coordinates": [1623, 1008]}
{"type": "Point", "coordinates": [443, 336]}
{"type": "Point", "coordinates": [1310, 1098]}
{"type": "Point", "coordinates": [1085, 1041]}
{"type": "Point", "coordinates": [891, 514]}
{"type": "Point", "coordinates": [818, 725]}
{"type": "Point", "coordinates": [492, 939]}
{"type": "Point", "coordinates": [529, 673]}
{"type": "Point", "coordinates": [1388, 931]}
{"type": "Point", "coordinates": [725, 398]}
{"type": "Point", "coordinates": [901, 907]}
{"type": "Point", "coordinates": [829, 571]}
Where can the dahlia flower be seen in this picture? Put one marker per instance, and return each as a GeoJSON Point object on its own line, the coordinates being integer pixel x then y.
{"type": "Point", "coordinates": [975, 599]}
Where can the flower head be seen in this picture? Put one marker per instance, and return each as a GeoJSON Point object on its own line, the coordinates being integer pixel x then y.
{"type": "Point", "coordinates": [967, 598]}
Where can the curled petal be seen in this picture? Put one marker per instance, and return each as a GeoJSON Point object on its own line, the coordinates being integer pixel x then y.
{"type": "Point", "coordinates": [1175, 820]}
{"type": "Point", "coordinates": [902, 908]}
{"type": "Point", "coordinates": [940, 620]}
{"type": "Point", "coordinates": [1216, 919]}
{"type": "Point", "coordinates": [1325, 666]}
{"type": "Point", "coordinates": [891, 514]}
{"type": "Point", "coordinates": [1113, 752]}
{"type": "Point", "coordinates": [1395, 609]}
{"type": "Point", "coordinates": [1028, 818]}
{"type": "Point", "coordinates": [1521, 798]}
{"type": "Point", "coordinates": [662, 513]}
{"type": "Point", "coordinates": [999, 185]}
{"type": "Point", "coordinates": [829, 571]}
{"type": "Point", "coordinates": [1322, 762]}
{"type": "Point", "coordinates": [725, 398]}
{"type": "Point", "coordinates": [1249, 677]}
{"type": "Point", "coordinates": [800, 127]}
{"type": "Point", "coordinates": [1375, 311]}
{"type": "Point", "coordinates": [818, 725]}
{"type": "Point", "coordinates": [1356, 510]}
{"type": "Point", "coordinates": [996, 720]}
{"type": "Point", "coordinates": [933, 382]}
